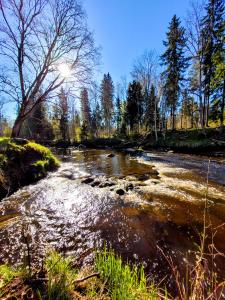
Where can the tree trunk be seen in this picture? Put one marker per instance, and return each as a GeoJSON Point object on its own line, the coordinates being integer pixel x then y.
{"type": "Point", "coordinates": [192, 114]}
{"type": "Point", "coordinates": [201, 106]}
{"type": "Point", "coordinates": [181, 121]}
{"type": "Point", "coordinates": [17, 127]}
{"type": "Point", "coordinates": [155, 122]}
{"type": "Point", "coordinates": [222, 104]}
{"type": "Point", "coordinates": [173, 118]}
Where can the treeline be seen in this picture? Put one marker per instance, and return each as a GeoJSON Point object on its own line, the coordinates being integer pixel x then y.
{"type": "Point", "coordinates": [183, 88]}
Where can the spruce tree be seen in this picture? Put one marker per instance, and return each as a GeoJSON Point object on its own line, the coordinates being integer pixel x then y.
{"type": "Point", "coordinates": [175, 62]}
{"type": "Point", "coordinates": [218, 59]}
{"type": "Point", "coordinates": [118, 114]}
{"type": "Point", "coordinates": [107, 95]}
{"type": "Point", "coordinates": [186, 109]}
{"type": "Point", "coordinates": [64, 115]}
{"type": "Point", "coordinates": [85, 107]}
{"type": "Point", "coordinates": [213, 28]}
{"type": "Point", "coordinates": [134, 109]}
{"type": "Point", "coordinates": [152, 109]}
{"type": "Point", "coordinates": [208, 24]}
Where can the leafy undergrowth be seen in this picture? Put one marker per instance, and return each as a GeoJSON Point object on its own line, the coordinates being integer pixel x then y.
{"type": "Point", "coordinates": [23, 162]}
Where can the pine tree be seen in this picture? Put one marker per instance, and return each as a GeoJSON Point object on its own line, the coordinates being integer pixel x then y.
{"type": "Point", "coordinates": [134, 109]}
{"type": "Point", "coordinates": [175, 62]}
{"type": "Point", "coordinates": [107, 94]}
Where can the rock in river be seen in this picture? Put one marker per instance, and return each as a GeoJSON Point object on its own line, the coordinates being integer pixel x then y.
{"type": "Point", "coordinates": [87, 180]}
{"type": "Point", "coordinates": [120, 192]}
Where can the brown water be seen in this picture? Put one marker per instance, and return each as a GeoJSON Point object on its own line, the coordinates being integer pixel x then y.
{"type": "Point", "coordinates": [163, 211]}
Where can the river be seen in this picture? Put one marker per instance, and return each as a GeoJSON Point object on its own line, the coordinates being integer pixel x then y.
{"type": "Point", "coordinates": [80, 207]}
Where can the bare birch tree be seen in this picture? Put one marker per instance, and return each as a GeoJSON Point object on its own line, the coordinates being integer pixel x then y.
{"type": "Point", "coordinates": [42, 42]}
{"type": "Point", "coordinates": [144, 70]}
{"type": "Point", "coordinates": [194, 44]}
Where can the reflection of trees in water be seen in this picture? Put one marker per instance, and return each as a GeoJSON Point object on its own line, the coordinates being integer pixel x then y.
{"type": "Point", "coordinates": [97, 162]}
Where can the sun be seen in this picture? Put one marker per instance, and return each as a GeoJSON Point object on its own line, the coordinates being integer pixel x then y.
{"type": "Point", "coordinates": [64, 70]}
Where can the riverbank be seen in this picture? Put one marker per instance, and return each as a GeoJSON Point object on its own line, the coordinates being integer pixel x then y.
{"type": "Point", "coordinates": [208, 142]}
{"type": "Point", "coordinates": [81, 206]}
{"type": "Point", "coordinates": [23, 162]}
{"type": "Point", "coordinates": [108, 278]}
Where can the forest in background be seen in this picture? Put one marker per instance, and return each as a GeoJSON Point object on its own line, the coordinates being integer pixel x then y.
{"type": "Point", "coordinates": [183, 88]}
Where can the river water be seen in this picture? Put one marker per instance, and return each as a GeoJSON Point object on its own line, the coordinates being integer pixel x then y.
{"type": "Point", "coordinates": [79, 208]}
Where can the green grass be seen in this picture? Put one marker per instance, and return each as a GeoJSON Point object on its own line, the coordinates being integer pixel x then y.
{"type": "Point", "coordinates": [61, 276]}
{"type": "Point", "coordinates": [124, 282]}
{"type": "Point", "coordinates": [8, 273]}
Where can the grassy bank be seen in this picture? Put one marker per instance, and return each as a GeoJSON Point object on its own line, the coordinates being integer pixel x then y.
{"type": "Point", "coordinates": [23, 162]}
{"type": "Point", "coordinates": [107, 279]}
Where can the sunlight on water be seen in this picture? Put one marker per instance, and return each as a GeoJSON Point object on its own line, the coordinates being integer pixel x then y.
{"type": "Point", "coordinates": [162, 205]}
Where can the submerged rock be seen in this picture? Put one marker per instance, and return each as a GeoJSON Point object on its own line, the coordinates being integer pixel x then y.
{"type": "Point", "coordinates": [106, 184]}
{"type": "Point", "coordinates": [130, 187]}
{"type": "Point", "coordinates": [20, 141]}
{"type": "Point", "coordinates": [67, 174]}
{"type": "Point", "coordinates": [120, 192]}
{"type": "Point", "coordinates": [87, 180]}
{"type": "Point", "coordinates": [143, 177]}
{"type": "Point", "coordinates": [81, 147]}
{"type": "Point", "coordinates": [95, 183]}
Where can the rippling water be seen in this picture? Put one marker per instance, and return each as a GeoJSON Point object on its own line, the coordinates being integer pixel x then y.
{"type": "Point", "coordinates": [163, 209]}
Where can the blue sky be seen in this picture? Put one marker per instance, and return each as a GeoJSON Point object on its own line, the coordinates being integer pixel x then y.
{"type": "Point", "coordinates": [125, 28]}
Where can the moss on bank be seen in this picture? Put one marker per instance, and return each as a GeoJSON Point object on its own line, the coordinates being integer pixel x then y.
{"type": "Point", "coordinates": [23, 162]}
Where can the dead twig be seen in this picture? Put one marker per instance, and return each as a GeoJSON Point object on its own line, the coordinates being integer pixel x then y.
{"type": "Point", "coordinates": [87, 277]}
